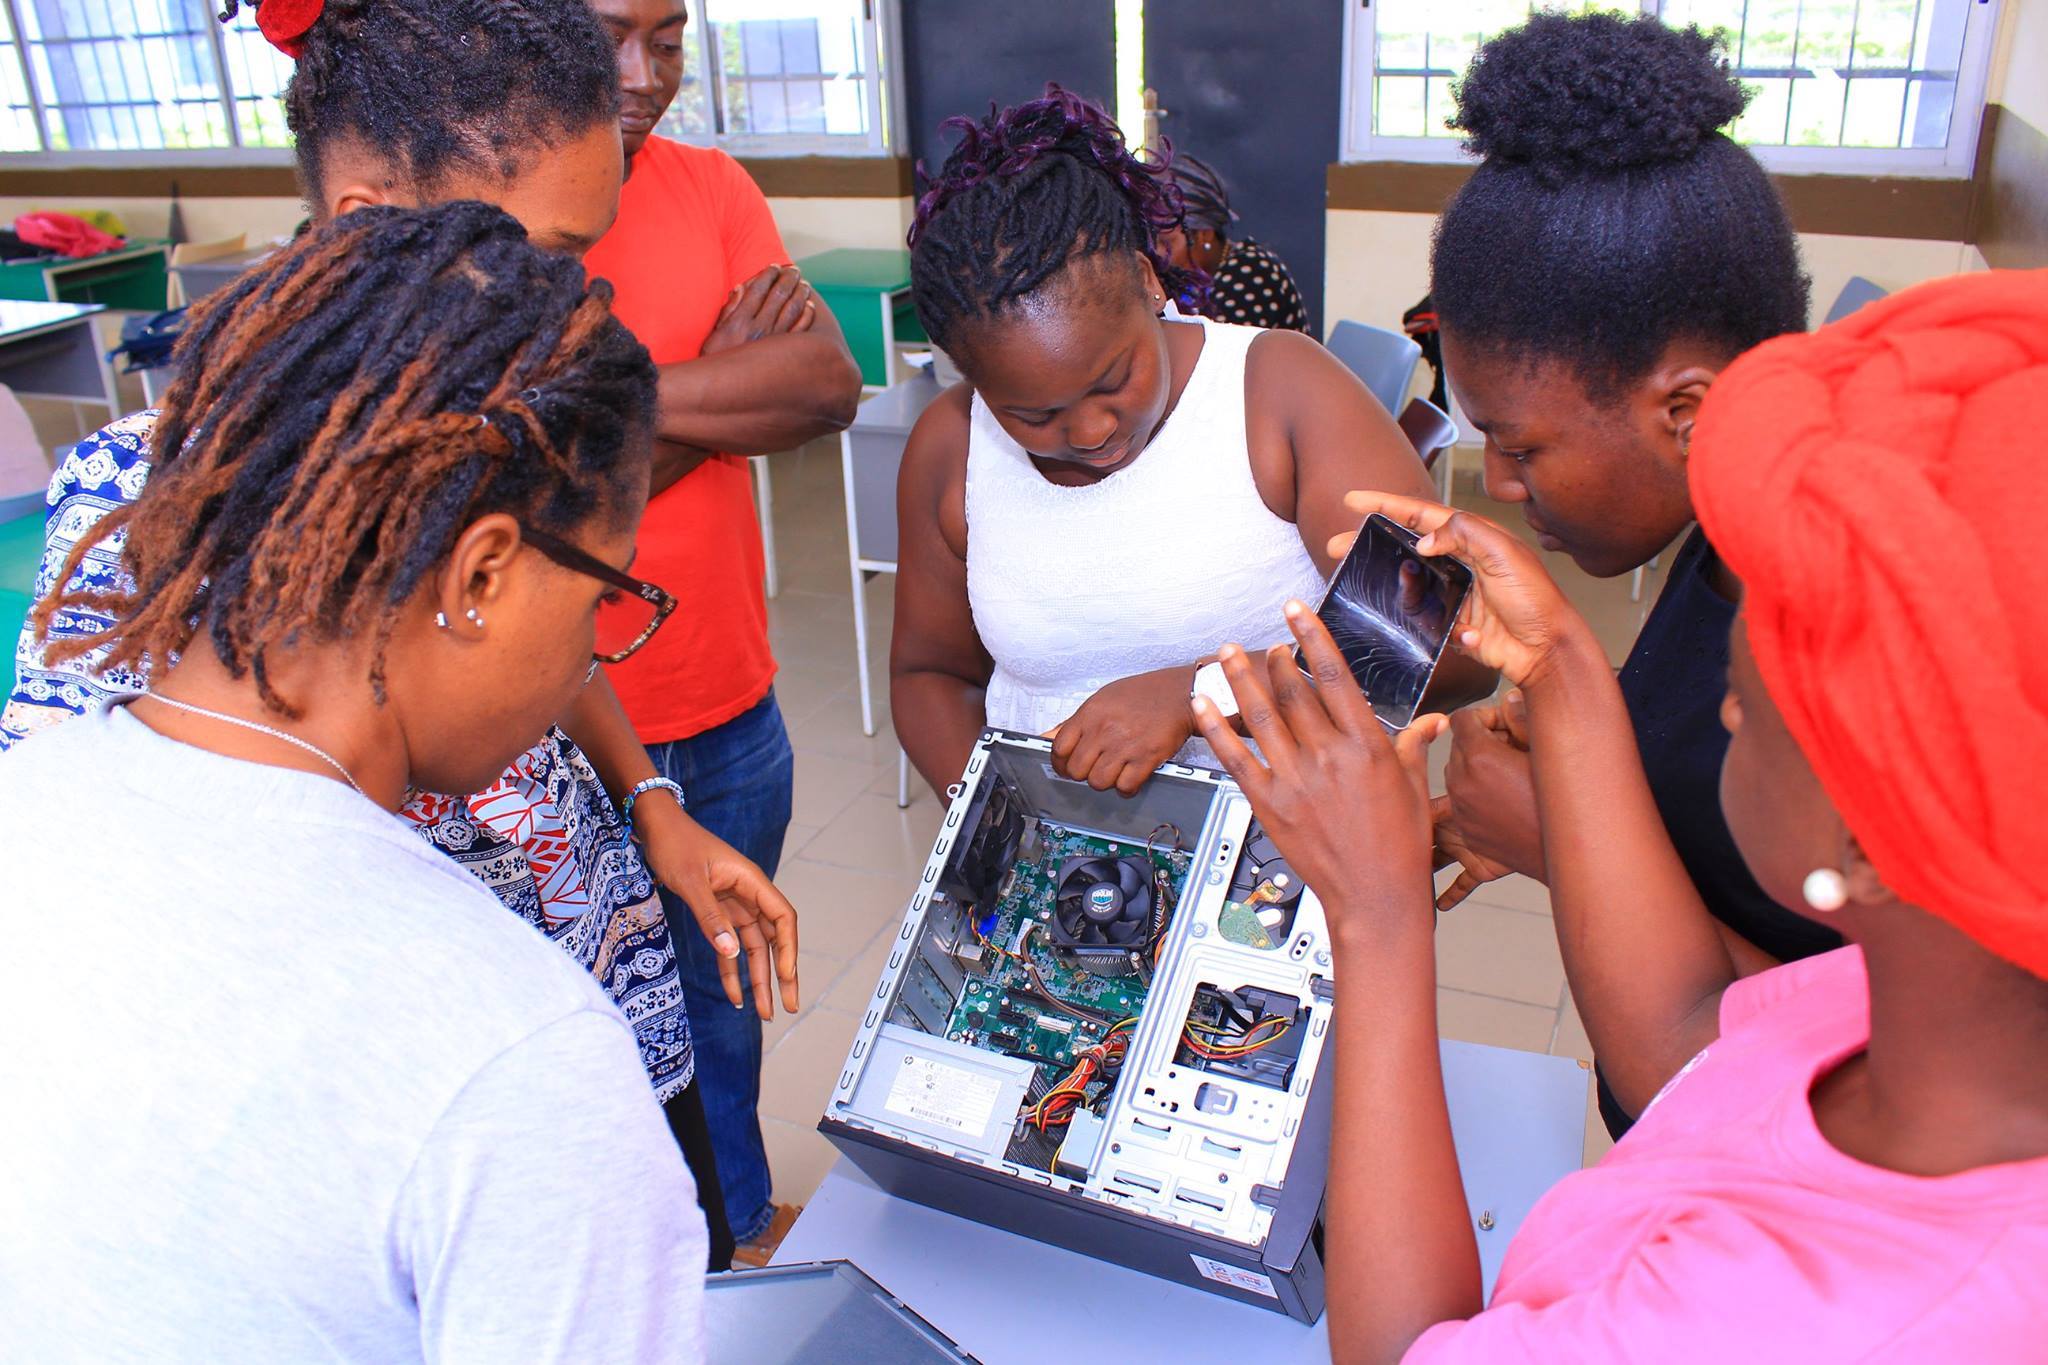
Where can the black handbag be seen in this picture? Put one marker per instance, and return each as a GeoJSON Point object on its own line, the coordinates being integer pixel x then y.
{"type": "Point", "coordinates": [148, 340]}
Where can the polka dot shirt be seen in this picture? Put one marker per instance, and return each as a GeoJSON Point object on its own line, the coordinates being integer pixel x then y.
{"type": "Point", "coordinates": [1252, 286]}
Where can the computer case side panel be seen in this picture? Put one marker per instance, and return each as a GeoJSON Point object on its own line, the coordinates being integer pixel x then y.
{"type": "Point", "coordinates": [1061, 1219]}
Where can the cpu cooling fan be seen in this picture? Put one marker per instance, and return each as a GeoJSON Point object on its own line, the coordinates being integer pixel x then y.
{"type": "Point", "coordinates": [1103, 911]}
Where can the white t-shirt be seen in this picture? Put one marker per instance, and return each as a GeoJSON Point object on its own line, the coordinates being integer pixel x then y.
{"type": "Point", "coordinates": [280, 1082]}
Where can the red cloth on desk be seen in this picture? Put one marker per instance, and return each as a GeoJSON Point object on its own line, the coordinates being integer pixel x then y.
{"type": "Point", "coordinates": [64, 234]}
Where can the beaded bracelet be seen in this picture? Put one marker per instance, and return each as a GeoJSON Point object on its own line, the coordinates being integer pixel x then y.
{"type": "Point", "coordinates": [641, 789]}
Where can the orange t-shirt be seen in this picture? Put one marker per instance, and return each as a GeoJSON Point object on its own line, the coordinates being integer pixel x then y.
{"type": "Point", "coordinates": [691, 226]}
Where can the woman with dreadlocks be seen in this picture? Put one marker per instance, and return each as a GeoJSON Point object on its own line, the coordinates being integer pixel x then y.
{"type": "Point", "coordinates": [319, 1096]}
{"type": "Point", "coordinates": [1111, 494]}
{"type": "Point", "coordinates": [513, 103]}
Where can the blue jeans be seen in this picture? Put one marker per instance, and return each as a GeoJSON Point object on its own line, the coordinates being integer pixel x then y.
{"type": "Point", "coordinates": [738, 780]}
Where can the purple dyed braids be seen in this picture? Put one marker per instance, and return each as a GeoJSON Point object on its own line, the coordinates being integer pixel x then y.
{"type": "Point", "coordinates": [1028, 190]}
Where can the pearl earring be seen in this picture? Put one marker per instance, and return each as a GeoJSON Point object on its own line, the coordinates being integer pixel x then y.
{"type": "Point", "coordinates": [1826, 890]}
{"type": "Point", "coordinates": [474, 619]}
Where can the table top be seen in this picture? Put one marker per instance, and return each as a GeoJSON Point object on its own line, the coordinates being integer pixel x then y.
{"type": "Point", "coordinates": [1519, 1120]}
{"type": "Point", "coordinates": [235, 263]}
{"type": "Point", "coordinates": [849, 267]}
{"type": "Point", "coordinates": [24, 318]}
{"type": "Point", "coordinates": [136, 246]}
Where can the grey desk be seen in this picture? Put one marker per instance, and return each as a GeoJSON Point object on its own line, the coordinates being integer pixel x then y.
{"type": "Point", "coordinates": [51, 350]}
{"type": "Point", "coordinates": [203, 277]}
{"type": "Point", "coordinates": [871, 451]}
{"type": "Point", "coordinates": [1520, 1124]}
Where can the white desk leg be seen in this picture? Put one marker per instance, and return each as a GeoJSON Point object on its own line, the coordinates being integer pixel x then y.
{"type": "Point", "coordinates": [860, 596]}
{"type": "Point", "coordinates": [888, 338]}
{"type": "Point", "coordinates": [88, 335]}
{"type": "Point", "coordinates": [764, 503]}
{"type": "Point", "coordinates": [1446, 472]}
{"type": "Point", "coordinates": [902, 779]}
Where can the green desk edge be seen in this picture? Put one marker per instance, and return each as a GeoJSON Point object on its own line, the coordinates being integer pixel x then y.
{"type": "Point", "coordinates": [21, 552]}
{"type": "Point", "coordinates": [852, 281]}
{"type": "Point", "coordinates": [137, 284]}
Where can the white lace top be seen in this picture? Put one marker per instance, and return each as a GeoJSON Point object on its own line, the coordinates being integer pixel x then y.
{"type": "Point", "coordinates": [1159, 564]}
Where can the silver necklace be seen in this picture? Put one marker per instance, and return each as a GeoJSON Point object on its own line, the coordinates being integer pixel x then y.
{"type": "Point", "coordinates": [329, 759]}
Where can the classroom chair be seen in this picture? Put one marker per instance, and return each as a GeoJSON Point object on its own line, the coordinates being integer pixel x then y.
{"type": "Point", "coordinates": [1857, 292]}
{"type": "Point", "coordinates": [1432, 432]}
{"type": "Point", "coordinates": [1384, 361]}
{"type": "Point", "coordinates": [195, 253]}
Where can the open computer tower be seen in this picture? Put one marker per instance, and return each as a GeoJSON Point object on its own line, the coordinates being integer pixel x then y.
{"type": "Point", "coordinates": [1103, 1025]}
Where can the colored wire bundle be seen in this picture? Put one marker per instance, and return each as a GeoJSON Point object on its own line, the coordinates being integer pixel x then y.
{"type": "Point", "coordinates": [1162, 887]}
{"type": "Point", "coordinates": [1023, 957]}
{"type": "Point", "coordinates": [1056, 1107]}
{"type": "Point", "coordinates": [1223, 1044]}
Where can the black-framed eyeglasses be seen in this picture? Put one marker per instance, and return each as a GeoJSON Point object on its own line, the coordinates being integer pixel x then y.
{"type": "Point", "coordinates": [632, 612]}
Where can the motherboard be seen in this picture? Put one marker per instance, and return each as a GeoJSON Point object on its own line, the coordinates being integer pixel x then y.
{"type": "Point", "coordinates": [1028, 997]}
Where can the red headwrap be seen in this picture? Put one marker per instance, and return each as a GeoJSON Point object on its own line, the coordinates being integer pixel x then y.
{"type": "Point", "coordinates": [285, 23]}
{"type": "Point", "coordinates": [1880, 487]}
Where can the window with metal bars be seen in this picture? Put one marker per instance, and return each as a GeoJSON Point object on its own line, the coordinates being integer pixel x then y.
{"type": "Point", "coordinates": [147, 80]}
{"type": "Point", "coordinates": [87, 77]}
{"type": "Point", "coordinates": [1836, 85]}
{"type": "Point", "coordinates": [786, 76]}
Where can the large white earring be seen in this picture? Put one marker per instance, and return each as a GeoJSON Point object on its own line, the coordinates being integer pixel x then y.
{"type": "Point", "coordinates": [441, 619]}
{"type": "Point", "coordinates": [1825, 889]}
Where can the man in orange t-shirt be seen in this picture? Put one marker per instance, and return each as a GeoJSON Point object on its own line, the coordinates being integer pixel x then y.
{"type": "Point", "coordinates": [750, 363]}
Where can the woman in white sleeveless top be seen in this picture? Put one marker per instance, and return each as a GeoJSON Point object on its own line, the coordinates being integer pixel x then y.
{"type": "Point", "coordinates": [1112, 494]}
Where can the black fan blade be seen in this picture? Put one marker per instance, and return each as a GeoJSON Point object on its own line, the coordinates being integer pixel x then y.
{"type": "Point", "coordinates": [1135, 880]}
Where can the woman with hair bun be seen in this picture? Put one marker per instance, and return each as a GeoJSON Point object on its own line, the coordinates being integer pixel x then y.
{"type": "Point", "coordinates": [1649, 251]}
{"type": "Point", "coordinates": [1111, 494]}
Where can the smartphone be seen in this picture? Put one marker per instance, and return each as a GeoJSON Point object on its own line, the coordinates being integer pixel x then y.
{"type": "Point", "coordinates": [1391, 612]}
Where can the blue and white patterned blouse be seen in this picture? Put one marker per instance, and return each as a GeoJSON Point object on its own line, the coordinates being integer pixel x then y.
{"type": "Point", "coordinates": [544, 837]}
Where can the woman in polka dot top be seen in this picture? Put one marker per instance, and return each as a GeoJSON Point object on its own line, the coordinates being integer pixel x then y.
{"type": "Point", "coordinates": [1248, 283]}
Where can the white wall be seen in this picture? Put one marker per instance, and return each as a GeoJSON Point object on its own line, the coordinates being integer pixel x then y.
{"type": "Point", "coordinates": [1378, 263]}
{"type": "Point", "coordinates": [1893, 262]}
{"type": "Point", "coordinates": [808, 225]}
{"type": "Point", "coordinates": [813, 225]}
{"type": "Point", "coordinates": [205, 220]}
{"type": "Point", "coordinates": [2019, 64]}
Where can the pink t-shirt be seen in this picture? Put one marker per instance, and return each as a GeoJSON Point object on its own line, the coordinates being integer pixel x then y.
{"type": "Point", "coordinates": [1725, 1228]}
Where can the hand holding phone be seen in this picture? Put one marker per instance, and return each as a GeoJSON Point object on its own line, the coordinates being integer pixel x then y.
{"type": "Point", "coordinates": [1391, 612]}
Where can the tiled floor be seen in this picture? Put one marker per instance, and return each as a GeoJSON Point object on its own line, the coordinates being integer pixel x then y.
{"type": "Point", "coordinates": [853, 856]}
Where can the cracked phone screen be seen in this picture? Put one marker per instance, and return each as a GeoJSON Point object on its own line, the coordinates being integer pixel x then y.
{"type": "Point", "coordinates": [1390, 611]}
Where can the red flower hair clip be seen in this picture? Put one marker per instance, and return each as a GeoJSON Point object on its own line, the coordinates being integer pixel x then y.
{"type": "Point", "coordinates": [285, 23]}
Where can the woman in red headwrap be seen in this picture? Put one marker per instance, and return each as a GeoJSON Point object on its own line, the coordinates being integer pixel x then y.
{"type": "Point", "coordinates": [1846, 1157]}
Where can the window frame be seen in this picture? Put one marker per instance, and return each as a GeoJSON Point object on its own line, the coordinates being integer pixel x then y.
{"type": "Point", "coordinates": [882, 48]}
{"type": "Point", "coordinates": [236, 153]}
{"type": "Point", "coordinates": [1955, 161]}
